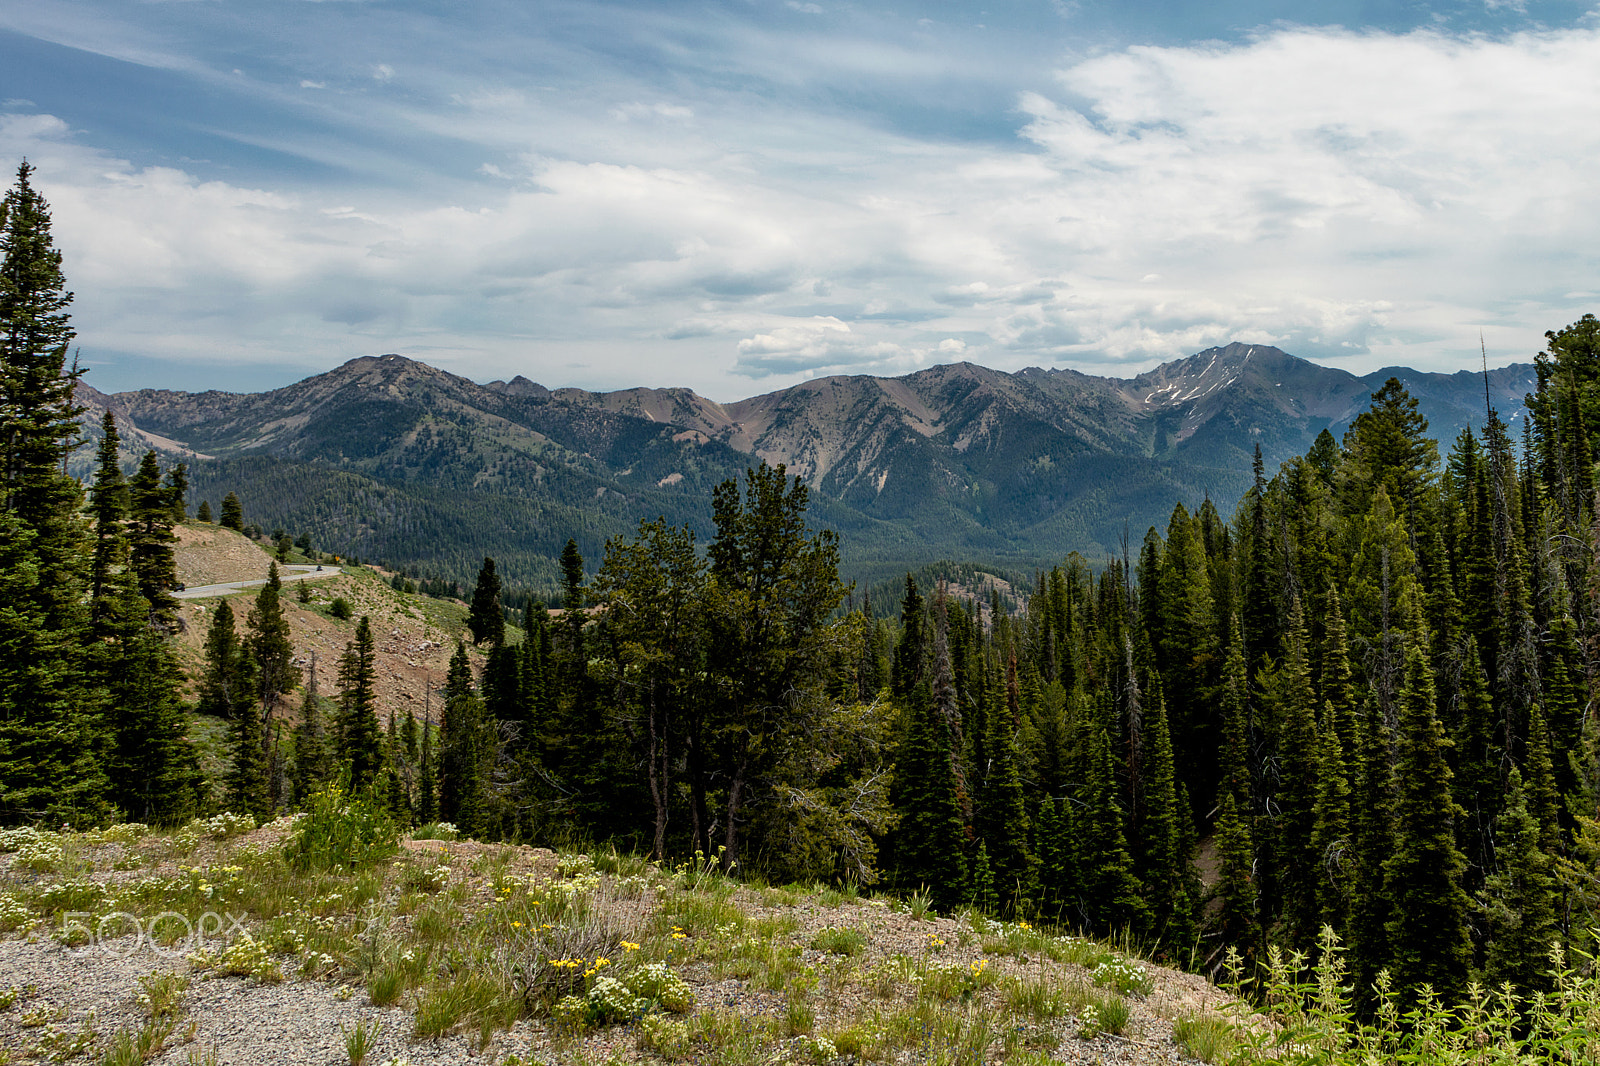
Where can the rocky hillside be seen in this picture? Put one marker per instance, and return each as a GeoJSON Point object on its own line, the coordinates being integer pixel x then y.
{"type": "Point", "coordinates": [415, 634]}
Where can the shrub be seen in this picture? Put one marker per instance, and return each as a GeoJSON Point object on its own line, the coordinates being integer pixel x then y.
{"type": "Point", "coordinates": [436, 831]}
{"type": "Point", "coordinates": [245, 957]}
{"type": "Point", "coordinates": [16, 839]}
{"type": "Point", "coordinates": [1123, 975]}
{"type": "Point", "coordinates": [341, 832]}
{"type": "Point", "coordinates": [665, 1036]}
{"type": "Point", "coordinates": [14, 914]}
{"type": "Point", "coordinates": [124, 832]}
{"type": "Point", "coordinates": [657, 983]}
{"type": "Point", "coordinates": [39, 854]}
{"type": "Point", "coordinates": [222, 826]}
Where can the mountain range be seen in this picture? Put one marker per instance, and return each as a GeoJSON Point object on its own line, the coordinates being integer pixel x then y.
{"type": "Point", "coordinates": [390, 458]}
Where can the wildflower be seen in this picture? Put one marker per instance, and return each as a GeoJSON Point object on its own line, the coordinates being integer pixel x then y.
{"type": "Point", "coordinates": [626, 946]}
{"type": "Point", "coordinates": [516, 925]}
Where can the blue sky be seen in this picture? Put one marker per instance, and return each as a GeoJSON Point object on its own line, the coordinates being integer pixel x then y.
{"type": "Point", "coordinates": [739, 195]}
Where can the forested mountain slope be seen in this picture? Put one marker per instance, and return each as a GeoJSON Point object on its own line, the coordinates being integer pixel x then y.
{"type": "Point", "coordinates": [391, 458]}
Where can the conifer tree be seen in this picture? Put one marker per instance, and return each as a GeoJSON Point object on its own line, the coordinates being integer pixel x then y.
{"type": "Point", "coordinates": [1058, 882]}
{"type": "Point", "coordinates": [1476, 757]}
{"type": "Point", "coordinates": [38, 415]}
{"type": "Point", "coordinates": [1165, 858]}
{"type": "Point", "coordinates": [1373, 842]}
{"type": "Point", "coordinates": [204, 513]}
{"type": "Point", "coordinates": [1297, 799]}
{"type": "Point", "coordinates": [980, 882]}
{"type": "Point", "coordinates": [458, 676]}
{"type": "Point", "coordinates": [1330, 841]}
{"type": "Point", "coordinates": [1112, 896]}
{"type": "Point", "coordinates": [535, 674]}
{"type": "Point", "coordinates": [930, 842]}
{"type": "Point", "coordinates": [177, 491]}
{"type": "Point", "coordinates": [1259, 618]}
{"type": "Point", "coordinates": [427, 778]}
{"type": "Point", "coordinates": [1002, 823]}
{"type": "Point", "coordinates": [908, 653]}
{"type": "Point", "coordinates": [313, 761]}
{"type": "Point", "coordinates": [150, 539]}
{"type": "Point", "coordinates": [153, 769]}
{"type": "Point", "coordinates": [228, 679]}
{"type": "Point", "coordinates": [1189, 652]}
{"type": "Point", "coordinates": [502, 684]}
{"type": "Point", "coordinates": [359, 740]}
{"type": "Point", "coordinates": [50, 706]}
{"type": "Point", "coordinates": [1235, 888]}
{"type": "Point", "coordinates": [232, 513]}
{"type": "Point", "coordinates": [109, 505]}
{"type": "Point", "coordinates": [247, 781]}
{"type": "Point", "coordinates": [1334, 687]}
{"type": "Point", "coordinates": [1544, 801]}
{"type": "Point", "coordinates": [1428, 929]}
{"type": "Point", "coordinates": [485, 619]}
{"type": "Point", "coordinates": [1519, 901]}
{"type": "Point", "coordinates": [270, 645]}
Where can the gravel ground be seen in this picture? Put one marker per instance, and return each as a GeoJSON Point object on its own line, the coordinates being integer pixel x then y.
{"type": "Point", "coordinates": [302, 1023]}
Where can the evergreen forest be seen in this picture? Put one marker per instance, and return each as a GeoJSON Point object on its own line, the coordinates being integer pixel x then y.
{"type": "Point", "coordinates": [1360, 702]}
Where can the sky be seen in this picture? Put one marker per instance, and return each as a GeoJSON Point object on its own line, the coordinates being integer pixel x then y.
{"type": "Point", "coordinates": [738, 195]}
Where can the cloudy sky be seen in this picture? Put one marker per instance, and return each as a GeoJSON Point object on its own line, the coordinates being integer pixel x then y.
{"type": "Point", "coordinates": [735, 195]}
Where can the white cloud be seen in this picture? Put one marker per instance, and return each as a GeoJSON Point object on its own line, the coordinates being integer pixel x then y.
{"type": "Point", "coordinates": [627, 112]}
{"type": "Point", "coordinates": [1374, 198]}
{"type": "Point", "coordinates": [382, 72]}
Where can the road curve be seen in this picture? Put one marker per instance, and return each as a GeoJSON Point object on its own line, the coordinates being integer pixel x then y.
{"type": "Point", "coordinates": [286, 574]}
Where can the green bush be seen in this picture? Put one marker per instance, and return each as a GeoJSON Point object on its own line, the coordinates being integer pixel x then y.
{"type": "Point", "coordinates": [340, 609]}
{"type": "Point", "coordinates": [341, 832]}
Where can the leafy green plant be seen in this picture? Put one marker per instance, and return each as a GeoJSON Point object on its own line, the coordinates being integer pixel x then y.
{"type": "Point", "coordinates": [340, 831]}
{"type": "Point", "coordinates": [436, 831]}
{"type": "Point", "coordinates": [162, 993]}
{"type": "Point", "coordinates": [1124, 975]}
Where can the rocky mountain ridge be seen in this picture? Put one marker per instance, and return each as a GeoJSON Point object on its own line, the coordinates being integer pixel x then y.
{"type": "Point", "coordinates": [956, 461]}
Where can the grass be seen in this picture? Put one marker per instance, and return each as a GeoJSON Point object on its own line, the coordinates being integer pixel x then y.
{"type": "Point", "coordinates": [840, 941]}
{"type": "Point", "coordinates": [135, 1048]}
{"type": "Point", "coordinates": [360, 1039]}
{"type": "Point", "coordinates": [1036, 997]}
{"type": "Point", "coordinates": [1204, 1036]}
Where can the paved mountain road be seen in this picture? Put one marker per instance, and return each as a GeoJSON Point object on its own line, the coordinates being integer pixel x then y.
{"type": "Point", "coordinates": [286, 574]}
